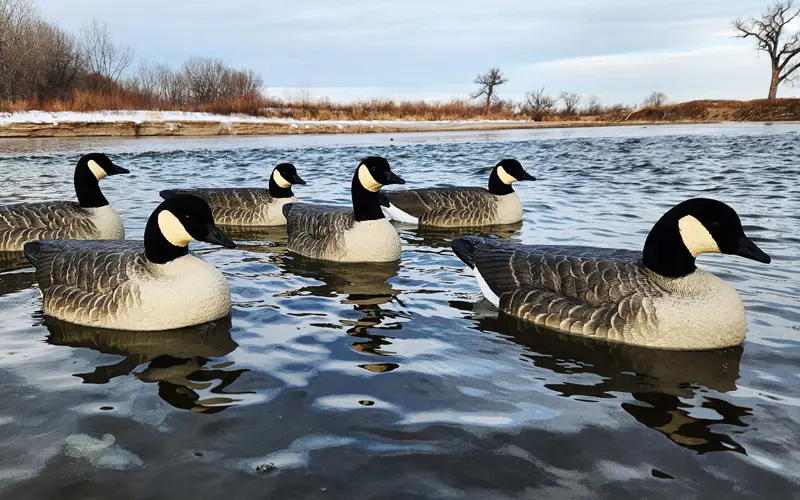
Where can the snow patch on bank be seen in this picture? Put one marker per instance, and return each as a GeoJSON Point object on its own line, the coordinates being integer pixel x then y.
{"type": "Point", "coordinates": [142, 116]}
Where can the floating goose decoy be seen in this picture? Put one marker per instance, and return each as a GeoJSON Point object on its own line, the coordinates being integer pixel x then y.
{"type": "Point", "coordinates": [249, 206]}
{"type": "Point", "coordinates": [461, 206]}
{"type": "Point", "coordinates": [132, 285]}
{"type": "Point", "coordinates": [90, 218]}
{"type": "Point", "coordinates": [358, 234]}
{"type": "Point", "coordinates": [655, 298]}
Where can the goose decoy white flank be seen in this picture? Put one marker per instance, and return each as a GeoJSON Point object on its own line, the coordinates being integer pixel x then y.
{"type": "Point", "coordinates": [656, 298]}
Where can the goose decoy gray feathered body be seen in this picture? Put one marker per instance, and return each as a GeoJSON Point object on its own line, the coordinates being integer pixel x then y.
{"type": "Point", "coordinates": [255, 207]}
{"type": "Point", "coordinates": [343, 234]}
{"type": "Point", "coordinates": [90, 218]}
{"type": "Point", "coordinates": [461, 206]}
{"type": "Point", "coordinates": [132, 285]}
{"type": "Point", "coordinates": [655, 298]}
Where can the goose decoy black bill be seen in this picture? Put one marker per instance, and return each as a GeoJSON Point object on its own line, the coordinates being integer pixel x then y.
{"type": "Point", "coordinates": [90, 218]}
{"type": "Point", "coordinates": [461, 206]}
{"type": "Point", "coordinates": [249, 206]}
{"type": "Point", "coordinates": [656, 298]}
{"type": "Point", "coordinates": [344, 234]}
{"type": "Point", "coordinates": [156, 284]}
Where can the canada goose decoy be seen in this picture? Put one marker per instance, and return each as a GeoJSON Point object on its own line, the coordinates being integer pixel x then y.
{"type": "Point", "coordinates": [461, 206]}
{"type": "Point", "coordinates": [249, 206]}
{"type": "Point", "coordinates": [342, 234]}
{"type": "Point", "coordinates": [655, 298]}
{"type": "Point", "coordinates": [132, 285]}
{"type": "Point", "coordinates": [90, 218]}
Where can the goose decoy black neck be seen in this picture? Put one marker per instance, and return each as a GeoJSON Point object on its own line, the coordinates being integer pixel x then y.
{"type": "Point", "coordinates": [88, 172]}
{"type": "Point", "coordinates": [282, 179]}
{"type": "Point", "coordinates": [372, 174]}
{"type": "Point", "coordinates": [176, 222]}
{"type": "Point", "coordinates": [695, 226]}
{"type": "Point", "coordinates": [506, 173]}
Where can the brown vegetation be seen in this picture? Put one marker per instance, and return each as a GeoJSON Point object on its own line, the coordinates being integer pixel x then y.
{"type": "Point", "coordinates": [718, 111]}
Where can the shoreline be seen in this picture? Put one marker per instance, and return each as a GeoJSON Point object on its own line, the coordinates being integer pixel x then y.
{"type": "Point", "coordinates": [152, 123]}
{"type": "Point", "coordinates": [184, 124]}
{"type": "Point", "coordinates": [178, 128]}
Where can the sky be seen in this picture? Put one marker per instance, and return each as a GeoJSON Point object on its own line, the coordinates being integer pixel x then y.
{"type": "Point", "coordinates": [615, 50]}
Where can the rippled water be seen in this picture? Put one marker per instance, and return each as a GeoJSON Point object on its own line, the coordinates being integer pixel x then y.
{"type": "Point", "coordinates": [397, 380]}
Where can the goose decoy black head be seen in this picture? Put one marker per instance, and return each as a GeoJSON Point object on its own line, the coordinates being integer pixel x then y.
{"type": "Point", "coordinates": [374, 172]}
{"type": "Point", "coordinates": [693, 227]}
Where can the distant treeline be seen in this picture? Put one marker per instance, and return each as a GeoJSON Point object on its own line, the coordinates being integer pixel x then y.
{"type": "Point", "coordinates": [47, 68]}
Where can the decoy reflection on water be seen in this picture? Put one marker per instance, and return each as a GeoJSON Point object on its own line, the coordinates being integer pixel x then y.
{"type": "Point", "coordinates": [11, 261]}
{"type": "Point", "coordinates": [12, 281]}
{"type": "Point", "coordinates": [666, 385]}
{"type": "Point", "coordinates": [177, 360]}
{"type": "Point", "coordinates": [442, 237]}
{"type": "Point", "coordinates": [366, 287]}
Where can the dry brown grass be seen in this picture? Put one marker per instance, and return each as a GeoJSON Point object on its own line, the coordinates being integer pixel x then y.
{"type": "Point", "coordinates": [760, 110]}
{"type": "Point", "coordinates": [117, 98]}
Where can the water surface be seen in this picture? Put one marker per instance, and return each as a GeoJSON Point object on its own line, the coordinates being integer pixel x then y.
{"type": "Point", "coordinates": [397, 380]}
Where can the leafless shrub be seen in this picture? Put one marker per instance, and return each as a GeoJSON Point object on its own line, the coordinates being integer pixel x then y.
{"type": "Point", "coordinates": [571, 102]}
{"type": "Point", "coordinates": [538, 104]}
{"type": "Point", "coordinates": [209, 80]}
{"type": "Point", "coordinates": [655, 100]}
{"type": "Point", "coordinates": [594, 107]}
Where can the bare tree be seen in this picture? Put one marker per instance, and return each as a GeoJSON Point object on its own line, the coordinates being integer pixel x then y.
{"type": "Point", "coordinates": [102, 55]}
{"type": "Point", "coordinates": [655, 100]}
{"type": "Point", "coordinates": [488, 82]}
{"type": "Point", "coordinates": [771, 36]}
{"type": "Point", "coordinates": [571, 102]}
{"type": "Point", "coordinates": [538, 104]}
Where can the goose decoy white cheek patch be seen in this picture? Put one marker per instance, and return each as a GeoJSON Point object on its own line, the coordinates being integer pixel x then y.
{"type": "Point", "coordinates": [279, 179]}
{"type": "Point", "coordinates": [505, 176]}
{"type": "Point", "coordinates": [367, 180]}
{"type": "Point", "coordinates": [696, 237]}
{"type": "Point", "coordinates": [97, 170]}
{"type": "Point", "coordinates": [173, 230]}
